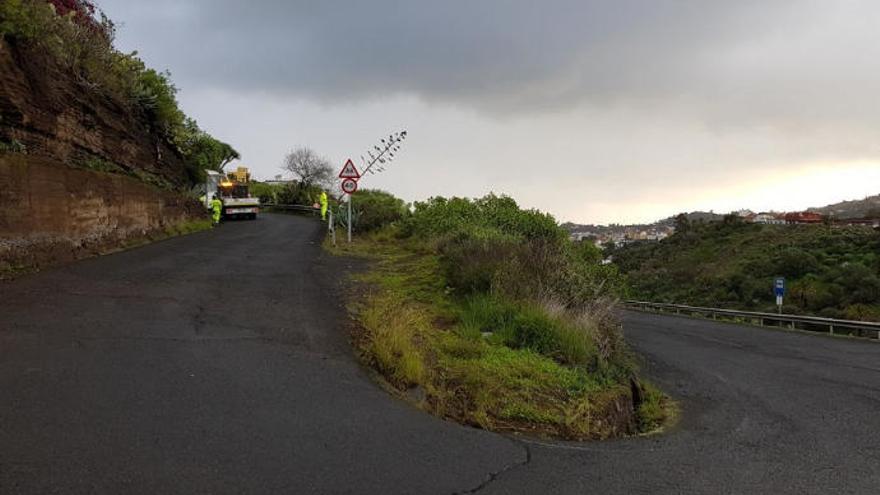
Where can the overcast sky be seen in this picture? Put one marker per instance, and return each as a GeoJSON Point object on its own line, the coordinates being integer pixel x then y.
{"type": "Point", "coordinates": [596, 111]}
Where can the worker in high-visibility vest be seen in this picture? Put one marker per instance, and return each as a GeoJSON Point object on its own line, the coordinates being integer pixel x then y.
{"type": "Point", "coordinates": [323, 205]}
{"type": "Point", "coordinates": [216, 209]}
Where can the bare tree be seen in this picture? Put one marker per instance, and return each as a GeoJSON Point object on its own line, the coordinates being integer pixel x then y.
{"type": "Point", "coordinates": [309, 168]}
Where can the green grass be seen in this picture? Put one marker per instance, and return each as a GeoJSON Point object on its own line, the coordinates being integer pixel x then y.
{"type": "Point", "coordinates": [9, 271]}
{"type": "Point", "coordinates": [486, 361]}
{"type": "Point", "coordinates": [100, 165]}
{"type": "Point", "coordinates": [12, 146]}
{"type": "Point", "coordinates": [188, 227]}
{"type": "Point", "coordinates": [527, 326]}
{"type": "Point", "coordinates": [654, 409]}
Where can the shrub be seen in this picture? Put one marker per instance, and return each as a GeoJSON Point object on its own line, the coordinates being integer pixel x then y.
{"type": "Point", "coordinates": [490, 244]}
{"type": "Point", "coordinates": [376, 209]}
{"type": "Point", "coordinates": [471, 258]}
{"type": "Point", "coordinates": [538, 270]}
{"type": "Point", "coordinates": [440, 216]}
{"type": "Point", "coordinates": [296, 193]}
{"type": "Point", "coordinates": [529, 326]}
{"type": "Point", "coordinates": [26, 20]}
{"type": "Point", "coordinates": [268, 193]}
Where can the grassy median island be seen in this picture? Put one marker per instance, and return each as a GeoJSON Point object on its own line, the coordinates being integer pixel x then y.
{"type": "Point", "coordinates": [484, 313]}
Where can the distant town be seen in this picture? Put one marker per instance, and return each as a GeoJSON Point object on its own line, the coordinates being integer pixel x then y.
{"type": "Point", "coordinates": [864, 212]}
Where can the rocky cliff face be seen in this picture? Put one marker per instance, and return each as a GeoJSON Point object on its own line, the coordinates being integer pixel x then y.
{"type": "Point", "coordinates": [48, 112]}
{"type": "Point", "coordinates": [80, 173]}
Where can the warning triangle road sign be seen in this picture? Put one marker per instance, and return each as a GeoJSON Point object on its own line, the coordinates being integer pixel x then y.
{"type": "Point", "coordinates": [349, 171]}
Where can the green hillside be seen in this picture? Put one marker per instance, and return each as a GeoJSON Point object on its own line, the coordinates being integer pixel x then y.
{"type": "Point", "coordinates": [830, 271]}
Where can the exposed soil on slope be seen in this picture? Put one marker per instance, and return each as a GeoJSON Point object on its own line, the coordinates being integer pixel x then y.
{"type": "Point", "coordinates": [53, 114]}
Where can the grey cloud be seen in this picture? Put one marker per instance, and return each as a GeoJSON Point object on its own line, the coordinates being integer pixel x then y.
{"type": "Point", "coordinates": [775, 62]}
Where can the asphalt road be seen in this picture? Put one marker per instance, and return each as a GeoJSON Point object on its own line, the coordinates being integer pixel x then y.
{"type": "Point", "coordinates": [219, 363]}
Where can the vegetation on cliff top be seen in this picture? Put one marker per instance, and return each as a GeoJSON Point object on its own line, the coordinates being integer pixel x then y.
{"type": "Point", "coordinates": [831, 271]}
{"type": "Point", "coordinates": [484, 312]}
{"type": "Point", "coordinates": [80, 37]}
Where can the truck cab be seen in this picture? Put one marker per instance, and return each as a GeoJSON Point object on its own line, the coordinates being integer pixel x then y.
{"type": "Point", "coordinates": [237, 201]}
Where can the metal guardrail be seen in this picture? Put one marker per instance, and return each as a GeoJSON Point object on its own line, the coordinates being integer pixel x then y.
{"type": "Point", "coordinates": [793, 322]}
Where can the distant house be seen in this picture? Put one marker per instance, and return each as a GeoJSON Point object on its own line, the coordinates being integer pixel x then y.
{"type": "Point", "coordinates": [803, 217]}
{"type": "Point", "coordinates": [769, 218]}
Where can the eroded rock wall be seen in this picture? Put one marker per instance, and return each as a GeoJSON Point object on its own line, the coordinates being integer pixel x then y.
{"type": "Point", "coordinates": [81, 171]}
{"type": "Point", "coordinates": [51, 214]}
{"type": "Point", "coordinates": [49, 112]}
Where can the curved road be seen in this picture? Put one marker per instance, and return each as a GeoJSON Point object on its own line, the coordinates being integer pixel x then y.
{"type": "Point", "coordinates": [219, 363]}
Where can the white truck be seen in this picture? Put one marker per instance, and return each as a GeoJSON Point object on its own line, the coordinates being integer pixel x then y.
{"type": "Point", "coordinates": [244, 206]}
{"type": "Point", "coordinates": [233, 193]}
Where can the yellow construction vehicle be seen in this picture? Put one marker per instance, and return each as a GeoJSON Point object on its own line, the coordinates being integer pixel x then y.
{"type": "Point", "coordinates": [235, 195]}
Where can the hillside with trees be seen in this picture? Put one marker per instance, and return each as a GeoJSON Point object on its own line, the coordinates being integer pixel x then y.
{"type": "Point", "coordinates": [831, 271]}
{"type": "Point", "coordinates": [67, 93]}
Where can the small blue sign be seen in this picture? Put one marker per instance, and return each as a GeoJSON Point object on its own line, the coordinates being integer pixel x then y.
{"type": "Point", "coordinates": [779, 286]}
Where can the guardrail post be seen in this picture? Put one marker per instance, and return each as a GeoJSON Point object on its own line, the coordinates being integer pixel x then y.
{"type": "Point", "coordinates": [831, 328]}
{"type": "Point", "coordinates": [331, 227]}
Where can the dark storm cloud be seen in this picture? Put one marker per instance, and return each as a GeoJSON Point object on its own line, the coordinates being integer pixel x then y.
{"type": "Point", "coordinates": [783, 62]}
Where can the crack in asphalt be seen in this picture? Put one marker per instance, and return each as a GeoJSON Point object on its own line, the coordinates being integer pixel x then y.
{"type": "Point", "coordinates": [494, 475]}
{"type": "Point", "coordinates": [199, 319]}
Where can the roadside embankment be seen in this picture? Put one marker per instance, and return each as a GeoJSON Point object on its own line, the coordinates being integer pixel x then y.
{"type": "Point", "coordinates": [51, 214]}
{"type": "Point", "coordinates": [483, 313]}
{"type": "Point", "coordinates": [83, 169]}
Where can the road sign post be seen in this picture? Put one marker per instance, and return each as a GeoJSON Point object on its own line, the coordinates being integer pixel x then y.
{"type": "Point", "coordinates": [349, 186]}
{"type": "Point", "coordinates": [779, 289]}
{"type": "Point", "coordinates": [349, 175]}
{"type": "Point", "coordinates": [349, 171]}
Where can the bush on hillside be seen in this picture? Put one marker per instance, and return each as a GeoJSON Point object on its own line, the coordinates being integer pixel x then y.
{"type": "Point", "coordinates": [376, 209]}
{"type": "Point", "coordinates": [830, 271]}
{"type": "Point", "coordinates": [471, 258]}
{"type": "Point", "coordinates": [520, 262]}
{"type": "Point", "coordinates": [490, 244]}
{"type": "Point", "coordinates": [440, 216]}
{"type": "Point", "coordinates": [296, 193]}
{"type": "Point", "coordinates": [267, 193]}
